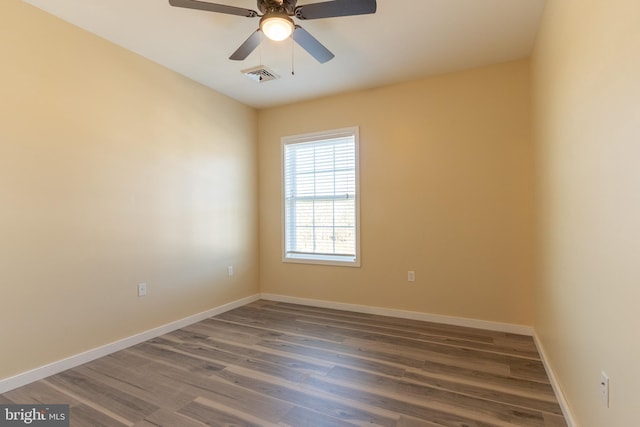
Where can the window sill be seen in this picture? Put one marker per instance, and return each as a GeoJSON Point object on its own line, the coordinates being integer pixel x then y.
{"type": "Point", "coordinates": [335, 260]}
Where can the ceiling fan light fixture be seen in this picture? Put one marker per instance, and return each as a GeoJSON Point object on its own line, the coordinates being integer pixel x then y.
{"type": "Point", "coordinates": [276, 26]}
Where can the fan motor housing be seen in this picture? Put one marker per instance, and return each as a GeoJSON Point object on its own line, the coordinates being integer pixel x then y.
{"type": "Point", "coordinates": [286, 6]}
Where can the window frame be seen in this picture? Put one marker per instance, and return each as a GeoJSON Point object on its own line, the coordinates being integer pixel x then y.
{"type": "Point", "coordinates": [322, 259]}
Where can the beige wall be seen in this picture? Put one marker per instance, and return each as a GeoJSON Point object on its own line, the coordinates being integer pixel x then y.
{"type": "Point", "coordinates": [586, 73]}
{"type": "Point", "coordinates": [446, 179]}
{"type": "Point", "coordinates": [113, 171]}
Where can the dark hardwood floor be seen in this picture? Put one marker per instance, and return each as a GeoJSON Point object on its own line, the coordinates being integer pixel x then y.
{"type": "Point", "coordinates": [277, 364]}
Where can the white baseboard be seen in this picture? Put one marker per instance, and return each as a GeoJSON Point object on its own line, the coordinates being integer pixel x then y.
{"type": "Point", "coordinates": [562, 400]}
{"type": "Point", "coordinates": [403, 314]}
{"type": "Point", "coordinates": [19, 380]}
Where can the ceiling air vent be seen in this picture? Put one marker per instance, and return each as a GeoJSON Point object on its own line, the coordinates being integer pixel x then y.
{"type": "Point", "coordinates": [260, 74]}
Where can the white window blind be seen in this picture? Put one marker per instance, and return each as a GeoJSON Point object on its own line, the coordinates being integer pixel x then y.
{"type": "Point", "coordinates": [321, 197]}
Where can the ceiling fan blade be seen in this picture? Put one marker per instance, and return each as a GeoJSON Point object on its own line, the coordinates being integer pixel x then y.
{"type": "Point", "coordinates": [213, 7]}
{"type": "Point", "coordinates": [311, 45]}
{"type": "Point", "coordinates": [330, 9]}
{"type": "Point", "coordinates": [247, 47]}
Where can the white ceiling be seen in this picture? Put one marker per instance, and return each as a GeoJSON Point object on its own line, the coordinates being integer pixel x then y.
{"type": "Point", "coordinates": [405, 39]}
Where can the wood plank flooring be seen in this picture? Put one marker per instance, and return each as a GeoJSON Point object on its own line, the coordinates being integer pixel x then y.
{"type": "Point", "coordinates": [277, 364]}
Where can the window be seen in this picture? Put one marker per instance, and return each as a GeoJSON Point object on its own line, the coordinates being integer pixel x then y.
{"type": "Point", "coordinates": [321, 200]}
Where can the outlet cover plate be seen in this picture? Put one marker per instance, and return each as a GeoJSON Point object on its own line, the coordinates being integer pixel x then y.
{"type": "Point", "coordinates": [604, 389]}
{"type": "Point", "coordinates": [142, 289]}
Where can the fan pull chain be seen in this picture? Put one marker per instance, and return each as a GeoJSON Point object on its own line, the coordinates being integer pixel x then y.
{"type": "Point", "coordinates": [293, 73]}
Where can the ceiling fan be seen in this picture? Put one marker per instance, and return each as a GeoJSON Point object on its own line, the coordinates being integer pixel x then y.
{"type": "Point", "coordinates": [276, 22]}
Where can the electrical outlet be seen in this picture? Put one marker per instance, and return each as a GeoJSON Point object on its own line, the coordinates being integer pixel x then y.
{"type": "Point", "coordinates": [604, 389]}
{"type": "Point", "coordinates": [142, 289]}
{"type": "Point", "coordinates": [411, 276]}
{"type": "Point", "coordinates": [230, 270]}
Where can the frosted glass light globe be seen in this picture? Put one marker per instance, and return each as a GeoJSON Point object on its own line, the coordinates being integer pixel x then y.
{"type": "Point", "coordinates": [277, 27]}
